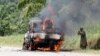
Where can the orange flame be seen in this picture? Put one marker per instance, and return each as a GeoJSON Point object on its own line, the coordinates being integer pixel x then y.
{"type": "Point", "coordinates": [56, 47]}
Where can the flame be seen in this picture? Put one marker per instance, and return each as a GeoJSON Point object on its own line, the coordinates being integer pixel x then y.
{"type": "Point", "coordinates": [37, 39]}
{"type": "Point", "coordinates": [58, 45]}
{"type": "Point", "coordinates": [44, 49]}
{"type": "Point", "coordinates": [45, 21]}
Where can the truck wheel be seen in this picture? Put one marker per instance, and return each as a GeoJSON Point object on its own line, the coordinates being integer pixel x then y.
{"type": "Point", "coordinates": [52, 46]}
{"type": "Point", "coordinates": [25, 47]}
{"type": "Point", "coordinates": [33, 46]}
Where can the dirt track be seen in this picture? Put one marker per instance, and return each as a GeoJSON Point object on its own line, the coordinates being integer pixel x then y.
{"type": "Point", "coordinates": [13, 51]}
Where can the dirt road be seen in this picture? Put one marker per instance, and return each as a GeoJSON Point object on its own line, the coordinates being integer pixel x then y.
{"type": "Point", "coordinates": [14, 51]}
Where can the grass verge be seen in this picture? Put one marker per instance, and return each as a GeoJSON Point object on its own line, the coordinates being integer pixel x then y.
{"type": "Point", "coordinates": [12, 40]}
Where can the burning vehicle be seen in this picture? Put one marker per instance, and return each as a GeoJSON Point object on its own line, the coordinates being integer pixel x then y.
{"type": "Point", "coordinates": [43, 36]}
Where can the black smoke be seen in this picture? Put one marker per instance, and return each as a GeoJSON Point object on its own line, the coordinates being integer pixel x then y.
{"type": "Point", "coordinates": [70, 14]}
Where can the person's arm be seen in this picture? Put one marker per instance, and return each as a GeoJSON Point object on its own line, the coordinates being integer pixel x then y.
{"type": "Point", "coordinates": [78, 33]}
{"type": "Point", "coordinates": [84, 32]}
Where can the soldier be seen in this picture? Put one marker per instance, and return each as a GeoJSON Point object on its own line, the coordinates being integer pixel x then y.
{"type": "Point", "coordinates": [83, 41]}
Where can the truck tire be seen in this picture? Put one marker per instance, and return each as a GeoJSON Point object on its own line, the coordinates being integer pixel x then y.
{"type": "Point", "coordinates": [33, 46]}
{"type": "Point", "coordinates": [25, 47]}
{"type": "Point", "coordinates": [52, 45]}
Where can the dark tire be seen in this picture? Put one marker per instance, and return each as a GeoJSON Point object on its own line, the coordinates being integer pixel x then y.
{"type": "Point", "coordinates": [25, 46]}
{"type": "Point", "coordinates": [52, 45]}
{"type": "Point", "coordinates": [33, 46]}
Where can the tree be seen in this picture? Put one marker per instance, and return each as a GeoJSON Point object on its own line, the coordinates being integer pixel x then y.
{"type": "Point", "coordinates": [15, 15]}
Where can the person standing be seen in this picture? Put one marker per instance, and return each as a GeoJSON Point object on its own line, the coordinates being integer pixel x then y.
{"type": "Point", "coordinates": [83, 40]}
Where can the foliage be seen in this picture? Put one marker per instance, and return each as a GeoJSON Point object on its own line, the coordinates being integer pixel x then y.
{"type": "Point", "coordinates": [15, 14]}
{"type": "Point", "coordinates": [92, 33]}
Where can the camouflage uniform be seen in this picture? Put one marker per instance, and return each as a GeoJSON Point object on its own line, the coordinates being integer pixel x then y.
{"type": "Point", "coordinates": [83, 41]}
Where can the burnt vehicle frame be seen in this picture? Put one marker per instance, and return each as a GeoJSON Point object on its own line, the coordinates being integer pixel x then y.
{"type": "Point", "coordinates": [41, 40]}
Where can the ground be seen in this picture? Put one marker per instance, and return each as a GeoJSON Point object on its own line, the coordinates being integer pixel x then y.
{"type": "Point", "coordinates": [16, 51]}
{"type": "Point", "coordinates": [12, 46]}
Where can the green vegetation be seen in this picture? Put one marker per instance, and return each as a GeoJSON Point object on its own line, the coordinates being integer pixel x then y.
{"type": "Point", "coordinates": [15, 14]}
{"type": "Point", "coordinates": [70, 42]}
{"type": "Point", "coordinates": [13, 40]}
{"type": "Point", "coordinates": [93, 35]}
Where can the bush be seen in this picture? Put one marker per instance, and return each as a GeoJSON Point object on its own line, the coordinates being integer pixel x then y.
{"type": "Point", "coordinates": [15, 15]}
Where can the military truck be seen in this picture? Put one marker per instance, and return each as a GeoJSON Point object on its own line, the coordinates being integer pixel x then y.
{"type": "Point", "coordinates": [41, 40]}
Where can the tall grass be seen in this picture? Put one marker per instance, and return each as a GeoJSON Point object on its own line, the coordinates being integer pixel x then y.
{"type": "Point", "coordinates": [12, 40]}
{"type": "Point", "coordinates": [93, 34]}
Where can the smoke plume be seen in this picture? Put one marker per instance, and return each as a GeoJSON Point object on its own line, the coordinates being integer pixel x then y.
{"type": "Point", "coordinates": [70, 14]}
